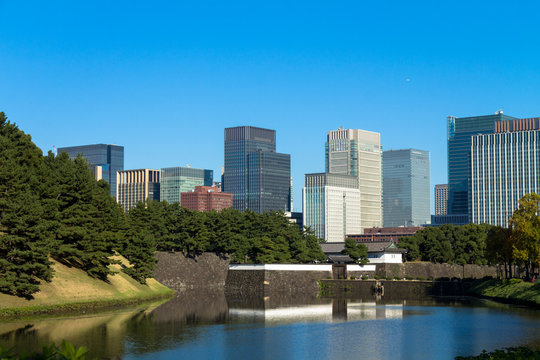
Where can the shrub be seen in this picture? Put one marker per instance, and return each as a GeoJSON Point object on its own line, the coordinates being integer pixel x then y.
{"type": "Point", "coordinates": [430, 278]}
{"type": "Point", "coordinates": [377, 277]}
{"type": "Point", "coordinates": [421, 278]}
{"type": "Point", "coordinates": [397, 278]}
{"type": "Point", "coordinates": [353, 277]}
{"type": "Point", "coordinates": [409, 277]}
{"type": "Point", "coordinates": [365, 277]}
{"type": "Point", "coordinates": [388, 278]}
{"type": "Point", "coordinates": [512, 281]}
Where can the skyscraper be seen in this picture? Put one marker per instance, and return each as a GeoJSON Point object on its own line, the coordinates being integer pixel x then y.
{"type": "Point", "coordinates": [104, 160]}
{"type": "Point", "coordinates": [505, 166]}
{"type": "Point", "coordinates": [135, 186]}
{"type": "Point", "coordinates": [358, 153]}
{"type": "Point", "coordinates": [331, 204]}
{"type": "Point", "coordinates": [459, 134]}
{"type": "Point", "coordinates": [406, 188]}
{"type": "Point", "coordinates": [176, 180]}
{"type": "Point", "coordinates": [256, 175]}
{"type": "Point", "coordinates": [441, 199]}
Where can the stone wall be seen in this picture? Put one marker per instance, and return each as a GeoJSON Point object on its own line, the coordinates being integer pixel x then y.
{"type": "Point", "coordinates": [427, 270]}
{"type": "Point", "coordinates": [264, 283]}
{"type": "Point", "coordinates": [393, 290]}
{"type": "Point", "coordinates": [179, 272]}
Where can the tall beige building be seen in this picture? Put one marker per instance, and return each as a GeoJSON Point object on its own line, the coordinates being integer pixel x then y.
{"type": "Point", "coordinates": [133, 186]}
{"type": "Point", "coordinates": [359, 153]}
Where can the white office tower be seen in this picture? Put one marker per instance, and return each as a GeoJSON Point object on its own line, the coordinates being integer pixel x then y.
{"type": "Point", "coordinates": [358, 153]}
{"type": "Point", "coordinates": [331, 205]}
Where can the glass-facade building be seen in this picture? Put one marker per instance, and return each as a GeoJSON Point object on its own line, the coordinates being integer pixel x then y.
{"type": "Point", "coordinates": [504, 167]}
{"type": "Point", "coordinates": [359, 153]}
{"type": "Point", "coordinates": [331, 204]}
{"type": "Point", "coordinates": [406, 188]}
{"type": "Point", "coordinates": [176, 180]}
{"type": "Point", "coordinates": [256, 175]}
{"type": "Point", "coordinates": [104, 160]}
{"type": "Point", "coordinates": [459, 134]}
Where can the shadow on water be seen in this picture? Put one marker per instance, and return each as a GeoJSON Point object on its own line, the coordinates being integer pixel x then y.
{"type": "Point", "coordinates": [194, 315]}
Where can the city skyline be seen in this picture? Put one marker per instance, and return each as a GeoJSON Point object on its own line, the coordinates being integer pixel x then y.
{"type": "Point", "coordinates": [151, 77]}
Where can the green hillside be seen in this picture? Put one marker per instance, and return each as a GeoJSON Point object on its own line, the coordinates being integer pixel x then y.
{"type": "Point", "coordinates": [71, 289]}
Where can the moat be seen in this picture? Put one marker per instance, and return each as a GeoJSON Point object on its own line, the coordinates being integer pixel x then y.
{"type": "Point", "coordinates": [212, 325]}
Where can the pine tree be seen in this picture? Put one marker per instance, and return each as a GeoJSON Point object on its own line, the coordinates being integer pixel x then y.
{"type": "Point", "coordinates": [25, 238]}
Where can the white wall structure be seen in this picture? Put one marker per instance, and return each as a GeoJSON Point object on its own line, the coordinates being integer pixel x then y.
{"type": "Point", "coordinates": [385, 258]}
{"type": "Point", "coordinates": [298, 267]}
{"type": "Point", "coordinates": [504, 168]}
{"type": "Point", "coordinates": [332, 205]}
{"type": "Point", "coordinates": [359, 153]}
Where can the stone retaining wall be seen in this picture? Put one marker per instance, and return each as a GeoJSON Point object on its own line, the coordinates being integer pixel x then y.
{"type": "Point", "coordinates": [427, 270]}
{"type": "Point", "coordinates": [179, 272]}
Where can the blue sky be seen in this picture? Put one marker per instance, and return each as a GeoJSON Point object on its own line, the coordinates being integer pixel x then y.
{"type": "Point", "coordinates": [164, 79]}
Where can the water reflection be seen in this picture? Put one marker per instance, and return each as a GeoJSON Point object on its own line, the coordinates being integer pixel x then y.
{"type": "Point", "coordinates": [211, 324]}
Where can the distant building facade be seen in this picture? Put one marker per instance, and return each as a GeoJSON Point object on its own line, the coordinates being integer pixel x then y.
{"type": "Point", "coordinates": [438, 220]}
{"type": "Point", "coordinates": [441, 199]}
{"type": "Point", "coordinates": [206, 198]}
{"type": "Point", "coordinates": [177, 180]}
{"type": "Point", "coordinates": [459, 134]}
{"type": "Point", "coordinates": [256, 175]}
{"type": "Point", "coordinates": [331, 204]}
{"type": "Point", "coordinates": [104, 160]}
{"type": "Point", "coordinates": [384, 234]}
{"type": "Point", "coordinates": [406, 188]}
{"type": "Point", "coordinates": [358, 153]}
{"type": "Point", "coordinates": [505, 166]}
{"type": "Point", "coordinates": [133, 186]}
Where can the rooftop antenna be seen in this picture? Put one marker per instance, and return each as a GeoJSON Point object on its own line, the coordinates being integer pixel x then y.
{"type": "Point", "coordinates": [500, 111]}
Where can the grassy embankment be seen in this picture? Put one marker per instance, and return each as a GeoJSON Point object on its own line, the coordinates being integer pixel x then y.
{"type": "Point", "coordinates": [513, 291]}
{"type": "Point", "coordinates": [72, 290]}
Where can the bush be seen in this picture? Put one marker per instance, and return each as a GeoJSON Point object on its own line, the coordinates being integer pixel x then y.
{"type": "Point", "coordinates": [397, 278]}
{"type": "Point", "coordinates": [512, 281]}
{"type": "Point", "coordinates": [365, 277]}
{"type": "Point", "coordinates": [409, 277]}
{"type": "Point", "coordinates": [421, 278]}
{"type": "Point", "coordinates": [353, 277]}
{"type": "Point", "coordinates": [377, 277]}
{"type": "Point", "coordinates": [388, 278]}
{"type": "Point", "coordinates": [430, 278]}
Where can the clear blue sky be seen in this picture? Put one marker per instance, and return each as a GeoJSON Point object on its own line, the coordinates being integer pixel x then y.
{"type": "Point", "coordinates": [164, 79]}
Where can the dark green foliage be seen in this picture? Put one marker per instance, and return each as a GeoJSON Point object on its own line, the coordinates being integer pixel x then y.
{"type": "Point", "coordinates": [448, 244]}
{"type": "Point", "coordinates": [512, 353]}
{"type": "Point", "coordinates": [66, 351]}
{"type": "Point", "coordinates": [357, 252]}
{"type": "Point", "coordinates": [247, 237]}
{"type": "Point", "coordinates": [24, 237]}
{"type": "Point", "coordinates": [89, 222]}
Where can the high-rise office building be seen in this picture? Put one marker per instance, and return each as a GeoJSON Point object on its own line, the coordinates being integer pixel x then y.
{"type": "Point", "coordinates": [505, 166]}
{"type": "Point", "coordinates": [459, 134]}
{"type": "Point", "coordinates": [104, 160]}
{"type": "Point", "coordinates": [406, 188]}
{"type": "Point", "coordinates": [331, 205]}
{"type": "Point", "coordinates": [133, 186]}
{"type": "Point", "coordinates": [358, 153]}
{"type": "Point", "coordinates": [441, 199]}
{"type": "Point", "coordinates": [256, 175]}
{"type": "Point", "coordinates": [177, 180]}
{"type": "Point", "coordinates": [206, 198]}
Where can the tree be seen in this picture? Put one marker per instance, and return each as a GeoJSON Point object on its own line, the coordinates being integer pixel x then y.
{"type": "Point", "coordinates": [25, 237]}
{"type": "Point", "coordinates": [526, 225]}
{"type": "Point", "coordinates": [357, 252]}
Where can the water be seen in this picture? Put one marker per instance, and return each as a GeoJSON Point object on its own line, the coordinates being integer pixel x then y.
{"type": "Point", "coordinates": [207, 325]}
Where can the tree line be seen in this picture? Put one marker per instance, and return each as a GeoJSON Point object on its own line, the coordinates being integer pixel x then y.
{"type": "Point", "coordinates": [517, 246]}
{"type": "Point", "coordinates": [52, 208]}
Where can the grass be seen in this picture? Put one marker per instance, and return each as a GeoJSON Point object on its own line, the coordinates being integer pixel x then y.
{"type": "Point", "coordinates": [72, 290]}
{"type": "Point", "coordinates": [521, 293]}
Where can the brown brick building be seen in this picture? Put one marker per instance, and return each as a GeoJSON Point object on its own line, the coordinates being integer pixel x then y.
{"type": "Point", "coordinates": [206, 198]}
{"type": "Point", "coordinates": [377, 234]}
